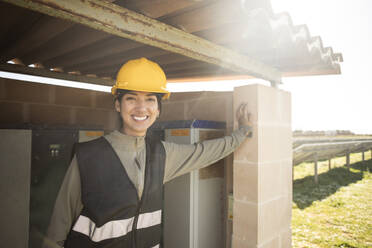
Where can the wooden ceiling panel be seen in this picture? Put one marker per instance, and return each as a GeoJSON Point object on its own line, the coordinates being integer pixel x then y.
{"type": "Point", "coordinates": [74, 38]}
{"type": "Point", "coordinates": [157, 8]}
{"type": "Point", "coordinates": [108, 63]}
{"type": "Point", "coordinates": [15, 22]}
{"type": "Point", "coordinates": [111, 46]}
{"type": "Point", "coordinates": [45, 29]}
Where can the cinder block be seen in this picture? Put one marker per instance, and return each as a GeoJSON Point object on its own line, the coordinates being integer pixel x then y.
{"type": "Point", "coordinates": [185, 96]}
{"type": "Point", "coordinates": [11, 112]}
{"type": "Point", "coordinates": [73, 97]}
{"type": "Point", "coordinates": [269, 183]}
{"type": "Point", "coordinates": [172, 111]}
{"type": "Point", "coordinates": [248, 151]}
{"type": "Point", "coordinates": [275, 143]}
{"type": "Point", "coordinates": [268, 221]}
{"type": "Point", "coordinates": [286, 177]}
{"type": "Point", "coordinates": [237, 242]}
{"type": "Point", "coordinates": [285, 211]}
{"type": "Point", "coordinates": [2, 89]}
{"type": "Point", "coordinates": [246, 94]}
{"type": "Point", "coordinates": [274, 105]}
{"type": "Point", "coordinates": [206, 109]}
{"type": "Point", "coordinates": [92, 117]}
{"type": "Point", "coordinates": [49, 114]}
{"type": "Point", "coordinates": [26, 92]}
{"type": "Point", "coordinates": [246, 182]}
{"type": "Point", "coordinates": [273, 243]}
{"type": "Point", "coordinates": [104, 100]}
{"type": "Point", "coordinates": [113, 121]}
{"type": "Point", "coordinates": [245, 222]}
{"type": "Point", "coordinates": [286, 238]}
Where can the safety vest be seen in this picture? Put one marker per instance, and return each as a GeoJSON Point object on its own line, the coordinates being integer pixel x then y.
{"type": "Point", "coordinates": [113, 215]}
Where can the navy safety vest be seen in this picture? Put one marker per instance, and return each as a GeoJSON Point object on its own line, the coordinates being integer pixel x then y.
{"type": "Point", "coordinates": [113, 215]}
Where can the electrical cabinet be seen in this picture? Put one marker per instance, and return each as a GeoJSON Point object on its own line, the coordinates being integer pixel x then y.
{"type": "Point", "coordinates": [37, 174]}
{"type": "Point", "coordinates": [194, 203]}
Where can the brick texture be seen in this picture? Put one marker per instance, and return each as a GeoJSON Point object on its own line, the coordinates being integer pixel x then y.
{"type": "Point", "coordinates": [26, 92]}
{"type": "Point", "coordinates": [49, 114]}
{"type": "Point", "coordinates": [11, 112]}
{"type": "Point", "coordinates": [73, 97]}
{"type": "Point", "coordinates": [55, 105]}
{"type": "Point", "coordinates": [263, 170]}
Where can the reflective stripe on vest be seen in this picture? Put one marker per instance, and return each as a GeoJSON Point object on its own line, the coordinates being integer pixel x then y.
{"type": "Point", "coordinates": [149, 219]}
{"type": "Point", "coordinates": [115, 228]}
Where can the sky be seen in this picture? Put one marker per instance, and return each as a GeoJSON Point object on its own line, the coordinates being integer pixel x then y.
{"type": "Point", "coordinates": [337, 101]}
{"type": "Point", "coordinates": [333, 102]}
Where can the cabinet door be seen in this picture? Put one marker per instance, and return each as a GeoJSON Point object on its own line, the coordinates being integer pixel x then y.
{"type": "Point", "coordinates": [52, 152]}
{"type": "Point", "coordinates": [15, 163]}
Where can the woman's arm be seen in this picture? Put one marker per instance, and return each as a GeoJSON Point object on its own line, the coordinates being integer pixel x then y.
{"type": "Point", "coordinates": [181, 159]}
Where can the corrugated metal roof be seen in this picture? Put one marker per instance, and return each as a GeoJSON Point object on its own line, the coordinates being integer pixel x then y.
{"type": "Point", "coordinates": [247, 27]}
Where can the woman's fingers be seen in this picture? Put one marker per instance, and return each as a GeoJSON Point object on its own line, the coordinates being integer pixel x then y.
{"type": "Point", "coordinates": [242, 114]}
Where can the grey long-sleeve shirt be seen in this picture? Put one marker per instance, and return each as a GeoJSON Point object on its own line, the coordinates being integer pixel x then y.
{"type": "Point", "coordinates": [180, 159]}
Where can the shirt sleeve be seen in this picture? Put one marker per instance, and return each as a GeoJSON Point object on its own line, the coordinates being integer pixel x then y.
{"type": "Point", "coordinates": [67, 208]}
{"type": "Point", "coordinates": [182, 159]}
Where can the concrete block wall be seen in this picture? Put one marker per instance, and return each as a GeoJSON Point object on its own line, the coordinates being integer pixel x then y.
{"type": "Point", "coordinates": [24, 102]}
{"type": "Point", "coordinates": [199, 105]}
{"type": "Point", "coordinates": [263, 171]}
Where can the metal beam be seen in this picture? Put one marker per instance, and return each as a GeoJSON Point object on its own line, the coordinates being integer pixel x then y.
{"type": "Point", "coordinates": [52, 74]}
{"type": "Point", "coordinates": [113, 19]}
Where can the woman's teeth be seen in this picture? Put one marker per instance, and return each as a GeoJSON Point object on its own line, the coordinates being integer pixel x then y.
{"type": "Point", "coordinates": [140, 118]}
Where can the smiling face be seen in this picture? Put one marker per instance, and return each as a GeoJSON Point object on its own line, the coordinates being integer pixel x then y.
{"type": "Point", "coordinates": [138, 111]}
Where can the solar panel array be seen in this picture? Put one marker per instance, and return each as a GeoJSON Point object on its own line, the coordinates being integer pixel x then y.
{"type": "Point", "coordinates": [307, 150]}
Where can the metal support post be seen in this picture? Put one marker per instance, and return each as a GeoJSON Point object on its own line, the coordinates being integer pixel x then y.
{"type": "Point", "coordinates": [348, 160]}
{"type": "Point", "coordinates": [329, 163]}
{"type": "Point", "coordinates": [316, 168]}
{"type": "Point", "coordinates": [363, 156]}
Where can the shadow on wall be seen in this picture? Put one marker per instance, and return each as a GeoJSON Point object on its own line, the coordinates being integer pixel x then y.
{"type": "Point", "coordinates": [305, 191]}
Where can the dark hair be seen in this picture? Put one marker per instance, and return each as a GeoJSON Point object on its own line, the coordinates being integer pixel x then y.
{"type": "Point", "coordinates": [119, 96]}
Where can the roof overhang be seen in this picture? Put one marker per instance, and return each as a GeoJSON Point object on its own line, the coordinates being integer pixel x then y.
{"type": "Point", "coordinates": [189, 39]}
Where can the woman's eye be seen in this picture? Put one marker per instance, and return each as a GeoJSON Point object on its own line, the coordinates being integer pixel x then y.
{"type": "Point", "coordinates": [151, 99]}
{"type": "Point", "coordinates": [129, 98]}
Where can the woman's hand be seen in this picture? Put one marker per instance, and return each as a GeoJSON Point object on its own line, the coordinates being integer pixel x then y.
{"type": "Point", "coordinates": [243, 117]}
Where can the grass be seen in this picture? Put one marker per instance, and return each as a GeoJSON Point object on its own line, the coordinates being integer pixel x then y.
{"type": "Point", "coordinates": [338, 211]}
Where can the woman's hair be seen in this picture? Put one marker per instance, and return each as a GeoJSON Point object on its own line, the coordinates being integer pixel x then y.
{"type": "Point", "coordinates": [119, 96]}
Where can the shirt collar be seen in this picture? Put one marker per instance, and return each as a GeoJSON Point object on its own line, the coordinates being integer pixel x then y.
{"type": "Point", "coordinates": [126, 142]}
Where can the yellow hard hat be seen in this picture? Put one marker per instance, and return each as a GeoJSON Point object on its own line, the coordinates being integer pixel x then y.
{"type": "Point", "coordinates": [141, 75]}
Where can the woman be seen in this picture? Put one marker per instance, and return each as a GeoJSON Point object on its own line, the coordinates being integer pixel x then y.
{"type": "Point", "coordinates": [112, 193]}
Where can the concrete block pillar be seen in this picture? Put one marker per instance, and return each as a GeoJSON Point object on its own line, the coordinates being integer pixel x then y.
{"type": "Point", "coordinates": [262, 170]}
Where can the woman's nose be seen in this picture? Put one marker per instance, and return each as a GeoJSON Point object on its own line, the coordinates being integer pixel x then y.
{"type": "Point", "coordinates": [140, 104]}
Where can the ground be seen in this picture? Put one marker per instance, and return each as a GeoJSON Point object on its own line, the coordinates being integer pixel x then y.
{"type": "Point", "coordinates": [338, 211]}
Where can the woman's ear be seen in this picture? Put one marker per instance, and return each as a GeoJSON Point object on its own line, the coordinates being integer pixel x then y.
{"type": "Point", "coordinates": [117, 106]}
